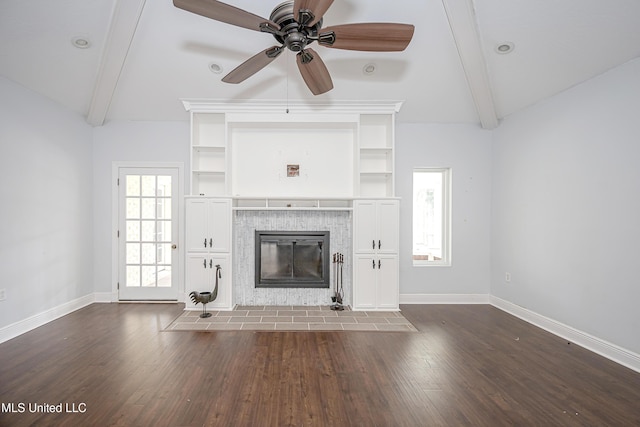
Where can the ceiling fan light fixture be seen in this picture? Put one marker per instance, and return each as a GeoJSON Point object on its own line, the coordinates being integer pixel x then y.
{"type": "Point", "coordinates": [504, 48]}
{"type": "Point", "coordinates": [369, 69]}
{"type": "Point", "coordinates": [81, 42]}
{"type": "Point", "coordinates": [215, 68]}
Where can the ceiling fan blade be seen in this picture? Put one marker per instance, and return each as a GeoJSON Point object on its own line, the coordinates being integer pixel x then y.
{"type": "Point", "coordinates": [372, 37]}
{"type": "Point", "coordinates": [312, 10]}
{"type": "Point", "coordinates": [252, 65]}
{"type": "Point", "coordinates": [314, 72]}
{"type": "Point", "coordinates": [226, 13]}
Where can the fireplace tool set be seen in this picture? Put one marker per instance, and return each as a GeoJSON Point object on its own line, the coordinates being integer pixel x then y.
{"type": "Point", "coordinates": [338, 261]}
{"type": "Point", "coordinates": [206, 297]}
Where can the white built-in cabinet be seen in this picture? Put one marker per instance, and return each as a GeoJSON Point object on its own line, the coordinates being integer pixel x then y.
{"type": "Point", "coordinates": [375, 240]}
{"type": "Point", "coordinates": [208, 244]}
{"type": "Point", "coordinates": [241, 156]}
{"type": "Point", "coordinates": [220, 130]}
{"type": "Point", "coordinates": [208, 226]}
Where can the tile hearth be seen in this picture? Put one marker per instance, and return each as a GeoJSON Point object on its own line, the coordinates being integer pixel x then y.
{"type": "Point", "coordinates": [292, 318]}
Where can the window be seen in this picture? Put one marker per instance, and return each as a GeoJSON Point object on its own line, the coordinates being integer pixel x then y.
{"type": "Point", "coordinates": [431, 216]}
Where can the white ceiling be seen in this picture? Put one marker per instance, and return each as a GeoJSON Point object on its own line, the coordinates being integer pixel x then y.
{"type": "Point", "coordinates": [146, 55]}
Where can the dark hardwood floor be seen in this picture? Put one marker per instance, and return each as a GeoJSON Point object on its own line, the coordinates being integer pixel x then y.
{"type": "Point", "coordinates": [467, 365]}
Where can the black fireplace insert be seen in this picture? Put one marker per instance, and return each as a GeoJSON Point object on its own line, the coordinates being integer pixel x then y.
{"type": "Point", "coordinates": [292, 259]}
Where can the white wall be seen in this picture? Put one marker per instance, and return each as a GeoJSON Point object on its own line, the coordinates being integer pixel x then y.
{"type": "Point", "coordinates": [127, 142]}
{"type": "Point", "coordinates": [555, 202]}
{"type": "Point", "coordinates": [566, 207]}
{"type": "Point", "coordinates": [45, 218]}
{"type": "Point", "coordinates": [260, 157]}
{"type": "Point", "coordinates": [467, 150]}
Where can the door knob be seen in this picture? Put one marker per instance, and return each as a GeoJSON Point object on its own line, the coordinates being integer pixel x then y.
{"type": "Point", "coordinates": [174, 246]}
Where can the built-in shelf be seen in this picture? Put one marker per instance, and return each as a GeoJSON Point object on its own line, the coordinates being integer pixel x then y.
{"type": "Point", "coordinates": [208, 155]}
{"type": "Point", "coordinates": [260, 203]}
{"type": "Point", "coordinates": [207, 148]}
{"type": "Point", "coordinates": [376, 156]}
{"type": "Point", "coordinates": [381, 173]}
{"type": "Point", "coordinates": [207, 172]}
{"type": "Point", "coordinates": [248, 147]}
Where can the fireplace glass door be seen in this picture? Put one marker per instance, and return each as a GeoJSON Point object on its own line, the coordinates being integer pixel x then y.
{"type": "Point", "coordinates": [292, 259]}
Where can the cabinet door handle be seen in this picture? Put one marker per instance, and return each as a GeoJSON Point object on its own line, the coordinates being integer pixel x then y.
{"type": "Point", "coordinates": [211, 263]}
{"type": "Point", "coordinates": [205, 263]}
{"type": "Point", "coordinates": [373, 244]}
{"type": "Point", "coordinates": [374, 264]}
{"type": "Point", "coordinates": [379, 264]}
{"type": "Point", "coordinates": [205, 242]}
{"type": "Point", "coordinates": [210, 242]}
{"type": "Point", "coordinates": [379, 244]}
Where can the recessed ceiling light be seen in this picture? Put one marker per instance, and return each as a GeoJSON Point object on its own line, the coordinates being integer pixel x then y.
{"type": "Point", "coordinates": [81, 42]}
{"type": "Point", "coordinates": [505, 47]}
{"type": "Point", "coordinates": [215, 68]}
{"type": "Point", "coordinates": [369, 69]}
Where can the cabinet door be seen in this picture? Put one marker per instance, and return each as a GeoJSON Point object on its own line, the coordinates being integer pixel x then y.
{"type": "Point", "coordinates": [387, 284]}
{"type": "Point", "coordinates": [387, 226]}
{"type": "Point", "coordinates": [196, 225]}
{"type": "Point", "coordinates": [208, 225]}
{"type": "Point", "coordinates": [219, 219]}
{"type": "Point", "coordinates": [364, 286]}
{"type": "Point", "coordinates": [200, 276]}
{"type": "Point", "coordinates": [364, 236]}
{"type": "Point", "coordinates": [197, 275]}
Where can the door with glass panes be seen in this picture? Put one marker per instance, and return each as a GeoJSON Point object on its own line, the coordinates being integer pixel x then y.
{"type": "Point", "coordinates": [148, 234]}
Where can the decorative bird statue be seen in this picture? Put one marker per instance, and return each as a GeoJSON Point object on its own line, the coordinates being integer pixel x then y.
{"type": "Point", "coordinates": [206, 297]}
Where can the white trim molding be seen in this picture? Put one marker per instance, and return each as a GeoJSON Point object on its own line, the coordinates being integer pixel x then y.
{"type": "Point", "coordinates": [22, 326]}
{"type": "Point", "coordinates": [103, 297]}
{"type": "Point", "coordinates": [291, 106]}
{"type": "Point", "coordinates": [444, 299]}
{"type": "Point", "coordinates": [115, 171]}
{"type": "Point", "coordinates": [606, 349]}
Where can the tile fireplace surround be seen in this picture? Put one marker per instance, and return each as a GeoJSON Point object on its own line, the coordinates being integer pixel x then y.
{"type": "Point", "coordinates": [246, 222]}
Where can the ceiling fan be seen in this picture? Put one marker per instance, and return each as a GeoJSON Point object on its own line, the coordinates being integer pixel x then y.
{"type": "Point", "coordinates": [295, 24]}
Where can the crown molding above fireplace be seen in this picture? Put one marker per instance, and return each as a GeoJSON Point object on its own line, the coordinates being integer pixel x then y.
{"type": "Point", "coordinates": [291, 107]}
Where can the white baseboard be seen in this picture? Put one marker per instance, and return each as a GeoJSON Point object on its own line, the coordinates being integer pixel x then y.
{"type": "Point", "coordinates": [611, 351]}
{"type": "Point", "coordinates": [105, 297]}
{"type": "Point", "coordinates": [444, 299]}
{"type": "Point", "coordinates": [20, 327]}
{"type": "Point", "coordinates": [606, 349]}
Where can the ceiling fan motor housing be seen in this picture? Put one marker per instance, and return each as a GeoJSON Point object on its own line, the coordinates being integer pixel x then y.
{"type": "Point", "coordinates": [294, 35]}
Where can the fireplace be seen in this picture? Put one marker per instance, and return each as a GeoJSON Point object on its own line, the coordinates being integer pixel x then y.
{"type": "Point", "coordinates": [292, 259]}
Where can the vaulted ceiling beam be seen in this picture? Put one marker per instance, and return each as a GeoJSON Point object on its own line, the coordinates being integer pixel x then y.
{"type": "Point", "coordinates": [464, 27]}
{"type": "Point", "coordinates": [122, 29]}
